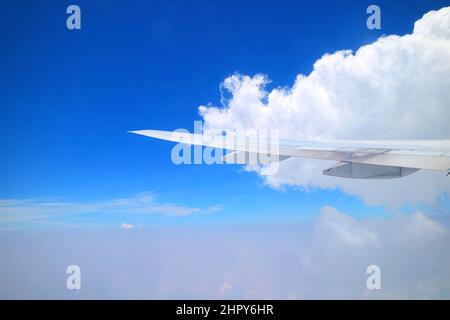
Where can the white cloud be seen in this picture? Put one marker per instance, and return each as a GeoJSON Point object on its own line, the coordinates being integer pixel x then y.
{"type": "Point", "coordinates": [126, 226]}
{"type": "Point", "coordinates": [214, 208]}
{"type": "Point", "coordinates": [225, 288]}
{"type": "Point", "coordinates": [394, 88]}
{"type": "Point", "coordinates": [342, 229]}
{"type": "Point", "coordinates": [41, 210]}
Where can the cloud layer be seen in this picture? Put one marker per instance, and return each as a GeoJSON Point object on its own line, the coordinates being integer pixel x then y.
{"type": "Point", "coordinates": [394, 88]}
{"type": "Point", "coordinates": [325, 258]}
{"type": "Point", "coordinates": [13, 211]}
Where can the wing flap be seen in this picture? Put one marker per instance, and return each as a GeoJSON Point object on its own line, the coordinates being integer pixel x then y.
{"type": "Point", "coordinates": [367, 171]}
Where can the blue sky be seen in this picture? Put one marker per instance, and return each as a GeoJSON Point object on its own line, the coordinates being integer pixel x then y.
{"type": "Point", "coordinates": [69, 97]}
{"type": "Point", "coordinates": [76, 188]}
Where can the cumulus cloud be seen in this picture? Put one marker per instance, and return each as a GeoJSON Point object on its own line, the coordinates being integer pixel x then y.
{"type": "Point", "coordinates": [394, 88]}
{"type": "Point", "coordinates": [324, 258]}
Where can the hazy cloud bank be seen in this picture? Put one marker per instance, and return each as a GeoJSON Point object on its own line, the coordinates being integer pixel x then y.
{"type": "Point", "coordinates": [326, 258]}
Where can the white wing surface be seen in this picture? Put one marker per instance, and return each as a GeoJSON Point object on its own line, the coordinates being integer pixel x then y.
{"type": "Point", "coordinates": [356, 159]}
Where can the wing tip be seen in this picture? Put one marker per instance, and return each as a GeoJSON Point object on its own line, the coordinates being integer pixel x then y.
{"type": "Point", "coordinates": [141, 132]}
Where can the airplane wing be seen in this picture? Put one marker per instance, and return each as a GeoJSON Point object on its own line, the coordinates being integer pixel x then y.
{"type": "Point", "coordinates": [355, 159]}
